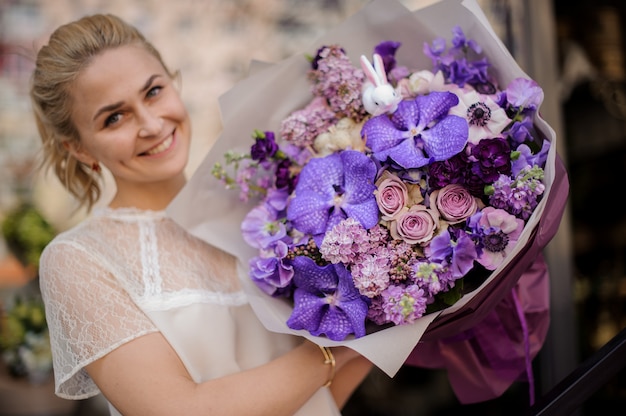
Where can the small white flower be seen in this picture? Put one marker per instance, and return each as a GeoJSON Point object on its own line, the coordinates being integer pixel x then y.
{"type": "Point", "coordinates": [486, 119]}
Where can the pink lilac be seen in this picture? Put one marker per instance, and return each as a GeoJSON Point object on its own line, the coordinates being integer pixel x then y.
{"type": "Point", "coordinates": [302, 126]}
{"type": "Point", "coordinates": [371, 274]}
{"type": "Point", "coordinates": [339, 82]}
{"type": "Point", "coordinates": [402, 256]}
{"type": "Point", "coordinates": [345, 242]}
{"type": "Point", "coordinates": [403, 304]}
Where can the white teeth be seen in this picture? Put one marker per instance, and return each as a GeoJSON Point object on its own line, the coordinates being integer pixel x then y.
{"type": "Point", "coordinates": [162, 147]}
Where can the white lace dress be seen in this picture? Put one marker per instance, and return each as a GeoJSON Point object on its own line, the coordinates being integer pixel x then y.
{"type": "Point", "coordinates": [124, 273]}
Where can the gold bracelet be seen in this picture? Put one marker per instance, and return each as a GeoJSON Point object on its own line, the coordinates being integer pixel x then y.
{"type": "Point", "coordinates": [329, 359]}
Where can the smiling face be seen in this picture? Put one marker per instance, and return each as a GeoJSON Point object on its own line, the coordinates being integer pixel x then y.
{"type": "Point", "coordinates": [130, 118]}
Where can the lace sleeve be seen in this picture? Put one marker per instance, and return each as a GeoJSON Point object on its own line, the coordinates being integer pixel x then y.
{"type": "Point", "coordinates": [88, 312]}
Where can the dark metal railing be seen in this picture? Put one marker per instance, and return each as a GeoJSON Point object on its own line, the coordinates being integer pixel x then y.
{"type": "Point", "coordinates": [571, 392]}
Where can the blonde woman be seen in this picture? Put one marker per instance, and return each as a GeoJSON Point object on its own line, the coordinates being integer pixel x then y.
{"type": "Point", "coordinates": [139, 310]}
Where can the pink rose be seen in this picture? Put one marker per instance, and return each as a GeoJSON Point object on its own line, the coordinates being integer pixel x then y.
{"type": "Point", "coordinates": [391, 196]}
{"type": "Point", "coordinates": [454, 202]}
{"type": "Point", "coordinates": [415, 225]}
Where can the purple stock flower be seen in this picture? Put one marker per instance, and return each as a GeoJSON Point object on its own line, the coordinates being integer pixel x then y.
{"type": "Point", "coordinates": [457, 253]}
{"type": "Point", "coordinates": [331, 189]}
{"type": "Point", "coordinates": [520, 131]}
{"type": "Point", "coordinates": [403, 304]}
{"type": "Point", "coordinates": [524, 157]}
{"type": "Point", "coordinates": [419, 132]}
{"type": "Point", "coordinates": [273, 275]}
{"type": "Point", "coordinates": [455, 65]}
{"type": "Point", "coordinates": [524, 94]}
{"type": "Point", "coordinates": [326, 301]}
{"type": "Point", "coordinates": [261, 227]}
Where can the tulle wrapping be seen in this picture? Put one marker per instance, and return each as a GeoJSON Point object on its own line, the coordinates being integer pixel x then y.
{"type": "Point", "coordinates": [263, 99]}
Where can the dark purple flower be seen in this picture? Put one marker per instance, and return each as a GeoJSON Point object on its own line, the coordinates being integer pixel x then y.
{"type": "Point", "coordinates": [326, 301]}
{"type": "Point", "coordinates": [493, 157]}
{"type": "Point", "coordinates": [331, 189]}
{"type": "Point", "coordinates": [264, 146]}
{"type": "Point", "coordinates": [447, 172]}
{"type": "Point", "coordinates": [284, 178]}
{"type": "Point", "coordinates": [387, 51]}
{"type": "Point", "coordinates": [420, 131]}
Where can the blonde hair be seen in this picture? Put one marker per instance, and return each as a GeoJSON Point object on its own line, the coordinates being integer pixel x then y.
{"type": "Point", "coordinates": [71, 48]}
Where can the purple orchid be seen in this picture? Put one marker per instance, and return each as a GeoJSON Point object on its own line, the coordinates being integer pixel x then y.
{"type": "Point", "coordinates": [420, 131]}
{"type": "Point", "coordinates": [331, 189]}
{"type": "Point", "coordinates": [326, 301]}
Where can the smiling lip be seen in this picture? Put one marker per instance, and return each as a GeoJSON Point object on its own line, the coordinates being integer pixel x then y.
{"type": "Point", "coordinates": [161, 147]}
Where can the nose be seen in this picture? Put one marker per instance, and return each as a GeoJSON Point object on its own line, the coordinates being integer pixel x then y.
{"type": "Point", "coordinates": [150, 124]}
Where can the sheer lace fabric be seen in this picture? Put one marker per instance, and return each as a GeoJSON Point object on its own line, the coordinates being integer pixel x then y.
{"type": "Point", "coordinates": [124, 273]}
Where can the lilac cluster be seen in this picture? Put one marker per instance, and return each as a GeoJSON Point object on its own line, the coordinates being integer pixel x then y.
{"type": "Point", "coordinates": [338, 81]}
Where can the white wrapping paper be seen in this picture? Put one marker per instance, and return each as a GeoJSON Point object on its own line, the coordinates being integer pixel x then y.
{"type": "Point", "coordinates": [261, 101]}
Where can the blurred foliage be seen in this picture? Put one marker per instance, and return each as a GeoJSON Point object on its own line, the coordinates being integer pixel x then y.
{"type": "Point", "coordinates": [24, 338]}
{"type": "Point", "coordinates": [27, 233]}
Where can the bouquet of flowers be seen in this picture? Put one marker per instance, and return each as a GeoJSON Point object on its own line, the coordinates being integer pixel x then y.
{"type": "Point", "coordinates": [379, 195]}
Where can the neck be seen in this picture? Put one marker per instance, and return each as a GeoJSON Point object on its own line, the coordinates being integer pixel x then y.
{"type": "Point", "coordinates": [153, 196]}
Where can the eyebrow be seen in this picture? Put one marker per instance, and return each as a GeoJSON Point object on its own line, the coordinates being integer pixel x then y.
{"type": "Point", "coordinates": [117, 105]}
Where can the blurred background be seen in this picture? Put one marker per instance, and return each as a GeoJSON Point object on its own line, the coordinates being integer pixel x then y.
{"type": "Point", "coordinates": [574, 49]}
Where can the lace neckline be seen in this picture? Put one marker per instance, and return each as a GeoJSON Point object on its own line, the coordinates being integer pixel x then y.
{"type": "Point", "coordinates": [129, 214]}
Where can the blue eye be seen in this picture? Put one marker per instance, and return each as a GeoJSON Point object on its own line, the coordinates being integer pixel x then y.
{"type": "Point", "coordinates": [112, 119]}
{"type": "Point", "coordinates": [154, 91]}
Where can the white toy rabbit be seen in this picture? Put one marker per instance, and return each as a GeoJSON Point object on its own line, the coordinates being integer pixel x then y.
{"type": "Point", "coordinates": [378, 95]}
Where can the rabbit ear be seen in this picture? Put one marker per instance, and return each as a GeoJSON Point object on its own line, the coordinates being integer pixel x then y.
{"type": "Point", "coordinates": [369, 71]}
{"type": "Point", "coordinates": [379, 65]}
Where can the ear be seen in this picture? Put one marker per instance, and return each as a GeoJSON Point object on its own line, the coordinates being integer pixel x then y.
{"type": "Point", "coordinates": [369, 70]}
{"type": "Point", "coordinates": [75, 149]}
{"type": "Point", "coordinates": [379, 65]}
